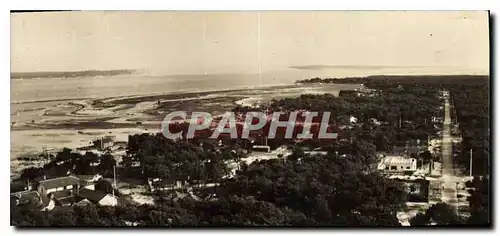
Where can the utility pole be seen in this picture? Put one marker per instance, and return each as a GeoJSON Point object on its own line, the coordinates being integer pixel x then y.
{"type": "Point", "coordinates": [114, 180]}
{"type": "Point", "coordinates": [431, 165]}
{"type": "Point", "coordinates": [267, 119]}
{"type": "Point", "coordinates": [44, 153]}
{"type": "Point", "coordinates": [45, 162]}
{"type": "Point", "coordinates": [470, 164]}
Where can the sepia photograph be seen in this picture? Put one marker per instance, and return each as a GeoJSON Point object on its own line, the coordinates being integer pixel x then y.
{"type": "Point", "coordinates": [250, 119]}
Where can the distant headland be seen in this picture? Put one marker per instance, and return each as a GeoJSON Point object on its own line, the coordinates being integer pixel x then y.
{"type": "Point", "coordinates": [70, 74]}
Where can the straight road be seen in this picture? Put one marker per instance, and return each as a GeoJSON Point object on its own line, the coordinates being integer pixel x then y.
{"type": "Point", "coordinates": [449, 187]}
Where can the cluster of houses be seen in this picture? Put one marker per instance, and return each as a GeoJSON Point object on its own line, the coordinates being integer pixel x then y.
{"type": "Point", "coordinates": [63, 191]}
{"type": "Point", "coordinates": [401, 165]}
{"type": "Point", "coordinates": [358, 92]}
{"type": "Point", "coordinates": [103, 144]}
{"type": "Point", "coordinates": [443, 94]}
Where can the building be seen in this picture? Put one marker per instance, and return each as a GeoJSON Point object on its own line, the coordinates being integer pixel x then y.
{"type": "Point", "coordinates": [233, 167]}
{"type": "Point", "coordinates": [25, 197]}
{"type": "Point", "coordinates": [135, 163]}
{"type": "Point", "coordinates": [33, 199]}
{"type": "Point", "coordinates": [349, 93]}
{"type": "Point", "coordinates": [95, 163]}
{"type": "Point", "coordinates": [316, 152]}
{"type": "Point", "coordinates": [261, 148]}
{"type": "Point", "coordinates": [435, 190]}
{"type": "Point", "coordinates": [158, 184]}
{"type": "Point", "coordinates": [416, 188]}
{"type": "Point", "coordinates": [353, 120]}
{"type": "Point", "coordinates": [97, 197]}
{"type": "Point", "coordinates": [176, 196]}
{"type": "Point", "coordinates": [435, 119]}
{"type": "Point", "coordinates": [83, 202]}
{"type": "Point", "coordinates": [90, 178]}
{"type": "Point", "coordinates": [49, 206]}
{"type": "Point", "coordinates": [64, 190]}
{"type": "Point", "coordinates": [394, 164]}
{"type": "Point", "coordinates": [444, 94]}
{"type": "Point", "coordinates": [408, 150]}
{"type": "Point", "coordinates": [62, 198]}
{"type": "Point", "coordinates": [375, 121]}
{"type": "Point", "coordinates": [103, 143]}
{"type": "Point", "coordinates": [71, 183]}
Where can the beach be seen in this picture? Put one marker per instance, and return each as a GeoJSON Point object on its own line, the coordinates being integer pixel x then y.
{"type": "Point", "coordinates": [72, 112]}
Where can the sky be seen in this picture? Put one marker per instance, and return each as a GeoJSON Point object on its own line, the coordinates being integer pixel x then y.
{"type": "Point", "coordinates": [171, 42]}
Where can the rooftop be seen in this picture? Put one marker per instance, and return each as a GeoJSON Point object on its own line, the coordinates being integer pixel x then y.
{"type": "Point", "coordinates": [66, 200]}
{"type": "Point", "coordinates": [91, 195]}
{"type": "Point", "coordinates": [398, 159]}
{"type": "Point", "coordinates": [407, 149]}
{"type": "Point", "coordinates": [61, 194]}
{"type": "Point", "coordinates": [395, 160]}
{"type": "Point", "coordinates": [61, 182]}
{"type": "Point", "coordinates": [26, 196]}
{"type": "Point", "coordinates": [178, 195]}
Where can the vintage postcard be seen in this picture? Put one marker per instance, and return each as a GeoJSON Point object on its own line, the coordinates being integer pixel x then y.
{"type": "Point", "coordinates": [250, 118]}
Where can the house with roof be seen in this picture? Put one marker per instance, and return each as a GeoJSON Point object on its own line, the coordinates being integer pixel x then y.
{"type": "Point", "coordinates": [158, 184]}
{"type": "Point", "coordinates": [32, 198]}
{"type": "Point", "coordinates": [25, 197]}
{"type": "Point", "coordinates": [89, 180]}
{"type": "Point", "coordinates": [63, 190]}
{"type": "Point", "coordinates": [177, 196]}
{"type": "Point", "coordinates": [397, 164]}
{"type": "Point", "coordinates": [61, 184]}
{"type": "Point", "coordinates": [407, 150]}
{"type": "Point", "coordinates": [97, 197]}
{"type": "Point", "coordinates": [261, 148]}
{"type": "Point", "coordinates": [349, 93]}
{"type": "Point", "coordinates": [417, 189]}
{"type": "Point", "coordinates": [70, 183]}
{"type": "Point", "coordinates": [103, 143]}
{"type": "Point", "coordinates": [83, 202]}
{"type": "Point", "coordinates": [233, 167]}
{"type": "Point", "coordinates": [135, 163]}
{"type": "Point", "coordinates": [49, 205]}
{"type": "Point", "coordinates": [62, 198]}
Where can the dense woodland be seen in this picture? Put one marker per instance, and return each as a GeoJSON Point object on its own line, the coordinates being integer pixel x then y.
{"type": "Point", "coordinates": [299, 190]}
{"type": "Point", "coordinates": [470, 100]}
{"type": "Point", "coordinates": [339, 189]}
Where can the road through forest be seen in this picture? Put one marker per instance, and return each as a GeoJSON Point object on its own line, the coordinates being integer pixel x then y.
{"type": "Point", "coordinates": [449, 187]}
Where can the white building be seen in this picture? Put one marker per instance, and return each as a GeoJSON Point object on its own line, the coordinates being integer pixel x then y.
{"type": "Point", "coordinates": [353, 120]}
{"type": "Point", "coordinates": [397, 164]}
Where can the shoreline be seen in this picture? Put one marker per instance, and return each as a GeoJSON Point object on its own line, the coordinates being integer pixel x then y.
{"type": "Point", "coordinates": [100, 110]}
{"type": "Point", "coordinates": [66, 125]}
{"type": "Point", "coordinates": [156, 95]}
